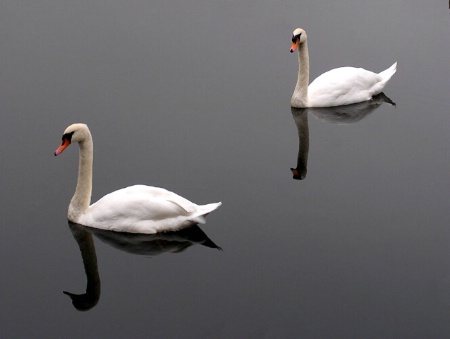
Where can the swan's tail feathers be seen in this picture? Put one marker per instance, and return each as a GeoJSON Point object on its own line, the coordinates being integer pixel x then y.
{"type": "Point", "coordinates": [203, 211]}
{"type": "Point", "coordinates": [388, 73]}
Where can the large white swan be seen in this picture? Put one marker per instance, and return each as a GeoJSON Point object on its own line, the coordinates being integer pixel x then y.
{"type": "Point", "coordinates": [339, 86]}
{"type": "Point", "coordinates": [134, 209]}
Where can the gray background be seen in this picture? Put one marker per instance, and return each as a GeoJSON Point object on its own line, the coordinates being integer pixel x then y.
{"type": "Point", "coordinates": [194, 96]}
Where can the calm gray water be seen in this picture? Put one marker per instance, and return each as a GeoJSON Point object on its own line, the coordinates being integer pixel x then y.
{"type": "Point", "coordinates": [194, 96]}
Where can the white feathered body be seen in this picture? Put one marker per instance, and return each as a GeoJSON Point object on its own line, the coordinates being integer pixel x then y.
{"type": "Point", "coordinates": [144, 209]}
{"type": "Point", "coordinates": [337, 87]}
{"type": "Point", "coordinates": [347, 85]}
{"type": "Point", "coordinates": [134, 209]}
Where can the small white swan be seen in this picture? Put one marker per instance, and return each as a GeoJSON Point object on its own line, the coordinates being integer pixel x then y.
{"type": "Point", "coordinates": [337, 87]}
{"type": "Point", "coordinates": [134, 209]}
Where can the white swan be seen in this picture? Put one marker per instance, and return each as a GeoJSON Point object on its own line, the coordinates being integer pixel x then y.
{"type": "Point", "coordinates": [339, 86]}
{"type": "Point", "coordinates": [134, 209]}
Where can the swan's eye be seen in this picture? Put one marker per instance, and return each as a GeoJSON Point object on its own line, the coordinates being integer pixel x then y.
{"type": "Point", "coordinates": [296, 37]}
{"type": "Point", "coordinates": [68, 136]}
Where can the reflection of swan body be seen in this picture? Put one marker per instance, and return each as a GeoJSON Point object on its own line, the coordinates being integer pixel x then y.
{"type": "Point", "coordinates": [154, 244]}
{"type": "Point", "coordinates": [134, 209]}
{"type": "Point", "coordinates": [350, 113]}
{"type": "Point", "coordinates": [338, 114]}
{"type": "Point", "coordinates": [142, 244]}
{"type": "Point", "coordinates": [337, 87]}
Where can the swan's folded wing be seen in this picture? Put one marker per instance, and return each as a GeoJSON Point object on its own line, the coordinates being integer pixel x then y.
{"type": "Point", "coordinates": [161, 193]}
{"type": "Point", "coordinates": [343, 86]}
{"type": "Point", "coordinates": [144, 209]}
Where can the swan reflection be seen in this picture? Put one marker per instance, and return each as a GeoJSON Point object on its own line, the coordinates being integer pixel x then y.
{"type": "Point", "coordinates": [339, 115]}
{"type": "Point", "coordinates": [349, 114]}
{"type": "Point", "coordinates": [141, 244]}
{"type": "Point", "coordinates": [85, 241]}
{"type": "Point", "coordinates": [300, 116]}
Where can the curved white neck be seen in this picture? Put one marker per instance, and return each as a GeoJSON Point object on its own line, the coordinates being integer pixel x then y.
{"type": "Point", "coordinates": [82, 197]}
{"type": "Point", "coordinates": [300, 96]}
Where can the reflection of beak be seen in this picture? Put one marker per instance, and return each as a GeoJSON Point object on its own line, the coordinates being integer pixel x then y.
{"type": "Point", "coordinates": [294, 45]}
{"type": "Point", "coordinates": [298, 175]}
{"type": "Point", "coordinates": [71, 295]}
{"type": "Point", "coordinates": [62, 147]}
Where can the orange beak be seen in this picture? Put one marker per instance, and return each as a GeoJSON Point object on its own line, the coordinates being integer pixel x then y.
{"type": "Point", "coordinates": [62, 147]}
{"type": "Point", "coordinates": [294, 45]}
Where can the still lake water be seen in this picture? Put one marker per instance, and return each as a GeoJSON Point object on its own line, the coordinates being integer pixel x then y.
{"type": "Point", "coordinates": [194, 97]}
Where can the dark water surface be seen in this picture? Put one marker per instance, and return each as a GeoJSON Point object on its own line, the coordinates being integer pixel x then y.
{"type": "Point", "coordinates": [194, 96]}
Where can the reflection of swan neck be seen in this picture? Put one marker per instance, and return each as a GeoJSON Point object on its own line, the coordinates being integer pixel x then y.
{"type": "Point", "coordinates": [303, 139]}
{"type": "Point", "coordinates": [85, 241]}
{"type": "Point", "coordinates": [301, 121]}
{"type": "Point", "coordinates": [300, 96]}
{"type": "Point", "coordinates": [82, 197]}
{"type": "Point", "coordinates": [89, 256]}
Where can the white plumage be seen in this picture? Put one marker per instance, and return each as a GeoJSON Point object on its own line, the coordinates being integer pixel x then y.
{"type": "Point", "coordinates": [337, 87]}
{"type": "Point", "coordinates": [134, 209]}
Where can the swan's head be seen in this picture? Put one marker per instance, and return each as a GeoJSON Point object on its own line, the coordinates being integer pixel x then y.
{"type": "Point", "coordinates": [298, 37]}
{"type": "Point", "coordinates": [73, 133]}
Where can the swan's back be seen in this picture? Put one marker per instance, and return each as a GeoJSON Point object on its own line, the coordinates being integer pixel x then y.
{"type": "Point", "coordinates": [347, 85]}
{"type": "Point", "coordinates": [144, 209]}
